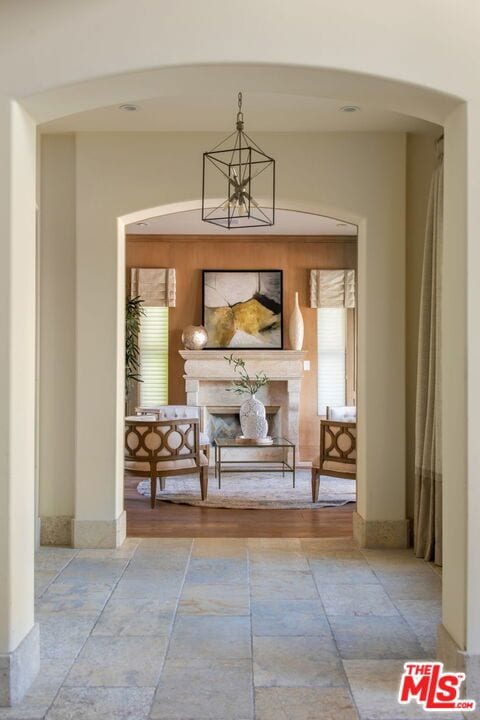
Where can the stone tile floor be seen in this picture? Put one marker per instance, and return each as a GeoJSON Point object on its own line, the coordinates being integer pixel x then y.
{"type": "Point", "coordinates": [229, 629]}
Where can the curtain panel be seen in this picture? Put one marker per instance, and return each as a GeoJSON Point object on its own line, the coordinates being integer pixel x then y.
{"type": "Point", "coordinates": [332, 288]}
{"type": "Point", "coordinates": [428, 451]}
{"type": "Point", "coordinates": [156, 286]}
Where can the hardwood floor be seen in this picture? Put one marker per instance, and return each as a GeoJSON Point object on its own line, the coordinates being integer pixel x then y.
{"type": "Point", "coordinates": [169, 520]}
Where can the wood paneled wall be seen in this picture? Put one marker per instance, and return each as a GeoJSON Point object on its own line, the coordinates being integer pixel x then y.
{"type": "Point", "coordinates": [295, 255]}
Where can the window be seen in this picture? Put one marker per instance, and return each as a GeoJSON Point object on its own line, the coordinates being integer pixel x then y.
{"type": "Point", "coordinates": [331, 357]}
{"type": "Point", "coordinates": [153, 344]}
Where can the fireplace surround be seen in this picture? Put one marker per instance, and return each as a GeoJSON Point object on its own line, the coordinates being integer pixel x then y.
{"type": "Point", "coordinates": [208, 376]}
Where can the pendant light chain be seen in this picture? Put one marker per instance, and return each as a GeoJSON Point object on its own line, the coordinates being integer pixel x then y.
{"type": "Point", "coordinates": [240, 113]}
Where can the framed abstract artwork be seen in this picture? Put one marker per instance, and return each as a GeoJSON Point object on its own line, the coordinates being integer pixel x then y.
{"type": "Point", "coordinates": [243, 309]}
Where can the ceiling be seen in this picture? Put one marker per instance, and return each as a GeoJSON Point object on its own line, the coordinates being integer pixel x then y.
{"type": "Point", "coordinates": [287, 222]}
{"type": "Point", "coordinates": [215, 112]}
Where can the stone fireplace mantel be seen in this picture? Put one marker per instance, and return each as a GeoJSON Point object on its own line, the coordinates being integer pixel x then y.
{"type": "Point", "coordinates": [208, 376]}
{"type": "Point", "coordinates": [277, 364]}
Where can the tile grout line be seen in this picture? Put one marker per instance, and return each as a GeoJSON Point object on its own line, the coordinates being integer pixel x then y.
{"type": "Point", "coordinates": [348, 686]}
{"type": "Point", "coordinates": [89, 634]}
{"type": "Point", "coordinates": [114, 587]}
{"type": "Point", "coordinates": [57, 575]}
{"type": "Point", "coordinates": [35, 615]}
{"type": "Point", "coordinates": [250, 598]}
{"type": "Point", "coordinates": [385, 589]}
{"type": "Point", "coordinates": [354, 703]}
{"type": "Point", "coordinates": [182, 585]}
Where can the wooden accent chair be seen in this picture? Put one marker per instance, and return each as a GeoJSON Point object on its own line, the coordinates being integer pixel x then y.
{"type": "Point", "coordinates": [338, 447]}
{"type": "Point", "coordinates": [173, 412]}
{"type": "Point", "coordinates": [162, 448]}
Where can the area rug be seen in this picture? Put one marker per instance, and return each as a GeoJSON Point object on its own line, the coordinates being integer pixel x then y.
{"type": "Point", "coordinates": [256, 491]}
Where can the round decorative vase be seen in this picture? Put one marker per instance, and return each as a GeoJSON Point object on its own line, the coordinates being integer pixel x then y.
{"type": "Point", "coordinates": [253, 419]}
{"type": "Point", "coordinates": [194, 337]}
{"type": "Point", "coordinates": [296, 327]}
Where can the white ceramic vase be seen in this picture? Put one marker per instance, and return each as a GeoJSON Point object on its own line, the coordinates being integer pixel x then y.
{"type": "Point", "coordinates": [253, 419]}
{"type": "Point", "coordinates": [296, 327]}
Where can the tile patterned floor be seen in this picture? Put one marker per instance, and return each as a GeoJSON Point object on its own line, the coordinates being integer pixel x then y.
{"type": "Point", "coordinates": [216, 629]}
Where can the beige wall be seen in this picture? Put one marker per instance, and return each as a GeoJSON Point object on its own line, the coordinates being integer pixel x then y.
{"type": "Point", "coordinates": [421, 160]}
{"type": "Point", "coordinates": [17, 375]}
{"type": "Point", "coordinates": [57, 258]}
{"type": "Point", "coordinates": [356, 176]}
{"type": "Point", "coordinates": [332, 170]}
{"type": "Point", "coordinates": [454, 398]}
{"type": "Point", "coordinates": [57, 326]}
{"type": "Point", "coordinates": [302, 56]}
{"type": "Point", "coordinates": [470, 302]}
{"type": "Point", "coordinates": [295, 256]}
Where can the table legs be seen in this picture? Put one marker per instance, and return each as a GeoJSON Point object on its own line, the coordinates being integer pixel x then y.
{"type": "Point", "coordinates": [204, 482]}
{"type": "Point", "coordinates": [218, 464]}
{"type": "Point", "coordinates": [315, 484]}
{"type": "Point", "coordinates": [293, 449]}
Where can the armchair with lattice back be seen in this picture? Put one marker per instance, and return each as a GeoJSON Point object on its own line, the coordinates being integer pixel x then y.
{"type": "Point", "coordinates": [338, 447]}
{"type": "Point", "coordinates": [164, 448]}
{"type": "Point", "coordinates": [173, 412]}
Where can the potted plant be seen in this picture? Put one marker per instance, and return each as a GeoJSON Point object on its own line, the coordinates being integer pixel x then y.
{"type": "Point", "coordinates": [252, 411]}
{"type": "Point", "coordinates": [133, 317]}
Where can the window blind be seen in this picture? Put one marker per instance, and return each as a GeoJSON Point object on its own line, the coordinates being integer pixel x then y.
{"type": "Point", "coordinates": [331, 352]}
{"type": "Point", "coordinates": [153, 345]}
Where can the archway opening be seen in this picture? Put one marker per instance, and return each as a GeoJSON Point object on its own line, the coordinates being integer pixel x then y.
{"type": "Point", "coordinates": [176, 383]}
{"type": "Point", "coordinates": [370, 369]}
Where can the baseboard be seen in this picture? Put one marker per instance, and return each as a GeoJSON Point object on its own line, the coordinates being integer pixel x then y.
{"type": "Point", "coordinates": [19, 668]}
{"type": "Point", "coordinates": [56, 530]}
{"type": "Point", "coordinates": [381, 533]}
{"type": "Point", "coordinates": [448, 651]}
{"type": "Point", "coordinates": [457, 660]}
{"type": "Point", "coordinates": [38, 525]}
{"type": "Point", "coordinates": [99, 533]}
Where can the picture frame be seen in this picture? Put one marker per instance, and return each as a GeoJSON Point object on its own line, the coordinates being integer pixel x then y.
{"type": "Point", "coordinates": [243, 309]}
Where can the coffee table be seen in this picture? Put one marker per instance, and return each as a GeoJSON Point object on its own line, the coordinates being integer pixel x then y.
{"type": "Point", "coordinates": [229, 443]}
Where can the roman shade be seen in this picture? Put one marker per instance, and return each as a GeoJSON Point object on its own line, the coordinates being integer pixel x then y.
{"type": "Point", "coordinates": [156, 286]}
{"type": "Point", "coordinates": [332, 288]}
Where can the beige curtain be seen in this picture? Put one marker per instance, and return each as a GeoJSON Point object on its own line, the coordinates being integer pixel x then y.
{"type": "Point", "coordinates": [428, 466]}
{"type": "Point", "coordinates": [156, 286]}
{"type": "Point", "coordinates": [332, 288]}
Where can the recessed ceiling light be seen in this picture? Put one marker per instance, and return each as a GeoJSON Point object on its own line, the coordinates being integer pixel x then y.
{"type": "Point", "coordinates": [342, 224]}
{"type": "Point", "coordinates": [128, 107]}
{"type": "Point", "coordinates": [349, 108]}
{"type": "Point", "coordinates": [142, 223]}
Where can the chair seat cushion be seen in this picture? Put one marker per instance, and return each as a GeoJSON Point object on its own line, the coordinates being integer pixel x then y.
{"type": "Point", "coordinates": [170, 465]}
{"type": "Point", "coordinates": [136, 418]}
{"type": "Point", "coordinates": [343, 414]}
{"type": "Point", "coordinates": [333, 466]}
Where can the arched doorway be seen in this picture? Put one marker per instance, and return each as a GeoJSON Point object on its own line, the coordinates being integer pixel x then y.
{"type": "Point", "coordinates": [456, 127]}
{"type": "Point", "coordinates": [298, 242]}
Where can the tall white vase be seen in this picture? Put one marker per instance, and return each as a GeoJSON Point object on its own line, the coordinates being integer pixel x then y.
{"type": "Point", "coordinates": [253, 419]}
{"type": "Point", "coordinates": [295, 327]}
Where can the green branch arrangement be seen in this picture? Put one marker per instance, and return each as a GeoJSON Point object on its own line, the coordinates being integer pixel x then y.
{"type": "Point", "coordinates": [245, 384]}
{"type": "Point", "coordinates": [133, 316]}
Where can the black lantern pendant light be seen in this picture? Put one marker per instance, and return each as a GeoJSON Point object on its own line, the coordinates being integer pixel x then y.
{"type": "Point", "coordinates": [240, 174]}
